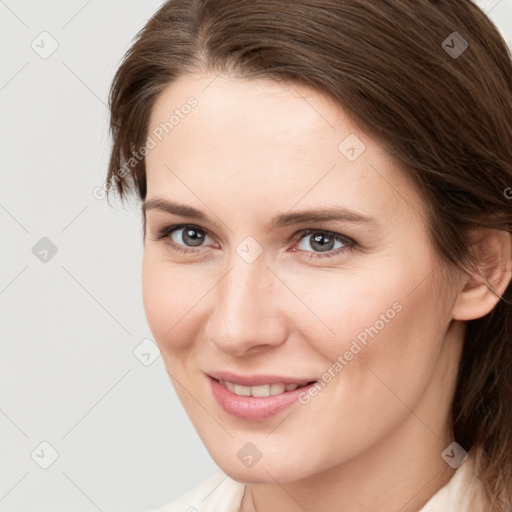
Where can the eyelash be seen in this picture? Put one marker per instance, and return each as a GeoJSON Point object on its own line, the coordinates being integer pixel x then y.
{"type": "Point", "coordinates": [350, 244]}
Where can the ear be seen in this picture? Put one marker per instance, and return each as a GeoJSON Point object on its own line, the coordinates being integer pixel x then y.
{"type": "Point", "coordinates": [483, 286]}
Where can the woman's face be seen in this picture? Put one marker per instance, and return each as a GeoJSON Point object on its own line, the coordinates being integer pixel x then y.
{"type": "Point", "coordinates": [299, 254]}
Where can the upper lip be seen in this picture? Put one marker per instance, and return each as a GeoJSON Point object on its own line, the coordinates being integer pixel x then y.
{"type": "Point", "coordinates": [258, 380]}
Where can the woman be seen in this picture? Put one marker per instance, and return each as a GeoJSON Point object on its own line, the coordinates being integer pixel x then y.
{"type": "Point", "coordinates": [326, 199]}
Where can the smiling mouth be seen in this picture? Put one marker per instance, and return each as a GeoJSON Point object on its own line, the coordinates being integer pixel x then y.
{"type": "Point", "coordinates": [263, 390]}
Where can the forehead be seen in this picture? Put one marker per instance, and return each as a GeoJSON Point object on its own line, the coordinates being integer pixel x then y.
{"type": "Point", "coordinates": [281, 142]}
{"type": "Point", "coordinates": [260, 115]}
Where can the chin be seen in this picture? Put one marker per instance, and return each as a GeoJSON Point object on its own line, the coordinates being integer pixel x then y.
{"type": "Point", "coordinates": [268, 469]}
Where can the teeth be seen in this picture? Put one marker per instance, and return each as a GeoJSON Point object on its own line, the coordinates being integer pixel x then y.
{"type": "Point", "coordinates": [263, 390]}
{"type": "Point", "coordinates": [277, 389]}
{"type": "Point", "coordinates": [258, 391]}
{"type": "Point", "coordinates": [242, 390]}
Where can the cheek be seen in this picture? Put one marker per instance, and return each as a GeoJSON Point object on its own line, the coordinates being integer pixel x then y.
{"type": "Point", "coordinates": [344, 306]}
{"type": "Point", "coordinates": [174, 297]}
{"type": "Point", "coordinates": [407, 352]}
{"type": "Point", "coordinates": [390, 353]}
{"type": "Point", "coordinates": [165, 297]}
{"type": "Point", "coordinates": [374, 321]}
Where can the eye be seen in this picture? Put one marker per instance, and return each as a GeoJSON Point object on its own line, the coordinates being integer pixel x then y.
{"type": "Point", "coordinates": [315, 243]}
{"type": "Point", "coordinates": [184, 237]}
{"type": "Point", "coordinates": [321, 243]}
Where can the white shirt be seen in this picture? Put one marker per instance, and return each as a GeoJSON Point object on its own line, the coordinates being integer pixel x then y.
{"type": "Point", "coordinates": [220, 493]}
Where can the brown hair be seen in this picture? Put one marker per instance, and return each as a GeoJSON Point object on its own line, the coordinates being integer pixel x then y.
{"type": "Point", "coordinates": [388, 63]}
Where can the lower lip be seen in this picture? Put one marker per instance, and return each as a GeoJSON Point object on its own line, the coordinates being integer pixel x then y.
{"type": "Point", "coordinates": [251, 407]}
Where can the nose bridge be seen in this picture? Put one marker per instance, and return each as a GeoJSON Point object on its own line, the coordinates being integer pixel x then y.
{"type": "Point", "coordinates": [242, 291]}
{"type": "Point", "coordinates": [242, 313]}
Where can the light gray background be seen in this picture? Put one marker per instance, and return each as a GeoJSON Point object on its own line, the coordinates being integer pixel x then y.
{"type": "Point", "coordinates": [70, 325]}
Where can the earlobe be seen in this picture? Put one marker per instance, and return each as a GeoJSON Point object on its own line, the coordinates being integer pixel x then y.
{"type": "Point", "coordinates": [483, 287]}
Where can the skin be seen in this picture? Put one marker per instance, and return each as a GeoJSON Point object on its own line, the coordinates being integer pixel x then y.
{"type": "Point", "coordinates": [372, 439]}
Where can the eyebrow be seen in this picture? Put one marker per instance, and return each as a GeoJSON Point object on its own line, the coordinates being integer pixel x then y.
{"type": "Point", "coordinates": [331, 213]}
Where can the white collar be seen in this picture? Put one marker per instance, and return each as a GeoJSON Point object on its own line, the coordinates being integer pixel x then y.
{"type": "Point", "coordinates": [458, 493]}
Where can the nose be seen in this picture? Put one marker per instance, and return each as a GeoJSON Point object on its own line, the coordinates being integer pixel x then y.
{"type": "Point", "coordinates": [244, 313]}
